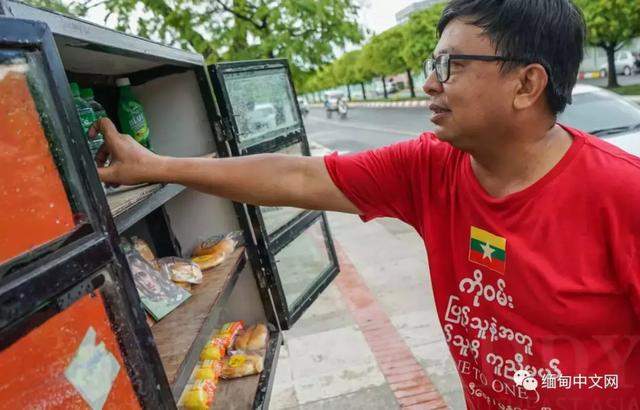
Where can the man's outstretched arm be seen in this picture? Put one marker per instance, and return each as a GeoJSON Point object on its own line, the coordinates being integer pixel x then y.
{"type": "Point", "coordinates": [264, 179]}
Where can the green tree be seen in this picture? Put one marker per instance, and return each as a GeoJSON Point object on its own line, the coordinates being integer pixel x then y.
{"type": "Point", "coordinates": [420, 36]}
{"type": "Point", "coordinates": [304, 31]}
{"type": "Point", "coordinates": [363, 70]}
{"type": "Point", "coordinates": [346, 70]}
{"type": "Point", "coordinates": [611, 24]}
{"type": "Point", "coordinates": [383, 53]}
{"type": "Point", "coordinates": [60, 6]}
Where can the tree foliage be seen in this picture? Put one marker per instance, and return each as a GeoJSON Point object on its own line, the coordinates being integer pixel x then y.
{"type": "Point", "coordinates": [307, 32]}
{"type": "Point", "coordinates": [611, 24]}
{"type": "Point", "coordinates": [420, 36]}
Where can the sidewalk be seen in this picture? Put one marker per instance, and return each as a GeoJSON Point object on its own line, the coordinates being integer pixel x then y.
{"type": "Point", "coordinates": [372, 340]}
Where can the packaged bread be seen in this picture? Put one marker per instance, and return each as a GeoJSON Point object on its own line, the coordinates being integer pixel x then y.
{"type": "Point", "coordinates": [199, 396]}
{"type": "Point", "coordinates": [252, 338]}
{"type": "Point", "coordinates": [228, 333]}
{"type": "Point", "coordinates": [209, 261]}
{"type": "Point", "coordinates": [242, 364]}
{"type": "Point", "coordinates": [143, 249]}
{"type": "Point", "coordinates": [218, 244]}
{"type": "Point", "coordinates": [209, 370]}
{"type": "Point", "coordinates": [214, 350]}
{"type": "Point", "coordinates": [180, 270]}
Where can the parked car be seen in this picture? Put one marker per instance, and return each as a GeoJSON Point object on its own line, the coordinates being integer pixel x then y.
{"type": "Point", "coordinates": [304, 106]}
{"type": "Point", "coordinates": [606, 115]}
{"type": "Point", "coordinates": [391, 88]}
{"type": "Point", "coordinates": [262, 117]}
{"type": "Point", "coordinates": [625, 64]}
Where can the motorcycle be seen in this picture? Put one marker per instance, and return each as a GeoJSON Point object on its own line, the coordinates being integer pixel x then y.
{"type": "Point", "coordinates": [335, 102]}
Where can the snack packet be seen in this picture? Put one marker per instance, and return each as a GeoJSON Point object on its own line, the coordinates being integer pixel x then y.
{"type": "Point", "coordinates": [200, 396]}
{"type": "Point", "coordinates": [228, 332]}
{"type": "Point", "coordinates": [214, 350]}
{"type": "Point", "coordinates": [209, 370]}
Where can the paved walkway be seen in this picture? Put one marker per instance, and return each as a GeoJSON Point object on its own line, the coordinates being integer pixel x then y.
{"type": "Point", "coordinates": [372, 340]}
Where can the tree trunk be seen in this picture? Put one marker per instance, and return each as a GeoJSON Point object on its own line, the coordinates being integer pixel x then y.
{"type": "Point", "coordinates": [411, 86]}
{"type": "Point", "coordinates": [612, 75]}
{"type": "Point", "coordinates": [384, 87]}
{"type": "Point", "coordinates": [364, 94]}
{"type": "Point", "coordinates": [348, 92]}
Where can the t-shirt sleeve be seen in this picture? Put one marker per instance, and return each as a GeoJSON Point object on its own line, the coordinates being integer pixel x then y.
{"type": "Point", "coordinates": [383, 182]}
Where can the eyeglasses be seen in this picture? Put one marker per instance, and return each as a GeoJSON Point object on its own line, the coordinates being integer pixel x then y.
{"type": "Point", "coordinates": [442, 63]}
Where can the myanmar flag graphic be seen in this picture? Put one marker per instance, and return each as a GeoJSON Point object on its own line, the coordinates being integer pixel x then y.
{"type": "Point", "coordinates": [488, 249]}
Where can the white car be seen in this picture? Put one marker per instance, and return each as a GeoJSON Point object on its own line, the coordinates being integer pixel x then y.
{"type": "Point", "coordinates": [606, 115]}
{"type": "Point", "coordinates": [304, 106]}
{"type": "Point", "coordinates": [625, 63]}
{"type": "Point", "coordinates": [262, 117]}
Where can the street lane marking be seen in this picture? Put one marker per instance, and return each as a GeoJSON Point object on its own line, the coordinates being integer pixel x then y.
{"type": "Point", "coordinates": [365, 128]}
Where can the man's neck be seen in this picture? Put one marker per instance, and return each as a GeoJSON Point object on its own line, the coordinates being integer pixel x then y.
{"type": "Point", "coordinates": [522, 161]}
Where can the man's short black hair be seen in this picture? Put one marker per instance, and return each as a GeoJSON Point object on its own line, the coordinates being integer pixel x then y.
{"type": "Point", "coordinates": [548, 32]}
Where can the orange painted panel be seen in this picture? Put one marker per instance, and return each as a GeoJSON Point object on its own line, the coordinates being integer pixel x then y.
{"type": "Point", "coordinates": [34, 208]}
{"type": "Point", "coordinates": [32, 370]}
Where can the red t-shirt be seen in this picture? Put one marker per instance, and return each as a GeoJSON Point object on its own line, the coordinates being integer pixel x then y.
{"type": "Point", "coordinates": [545, 280]}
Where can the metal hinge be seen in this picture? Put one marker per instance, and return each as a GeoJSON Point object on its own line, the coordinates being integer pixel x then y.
{"type": "Point", "coordinates": [261, 279]}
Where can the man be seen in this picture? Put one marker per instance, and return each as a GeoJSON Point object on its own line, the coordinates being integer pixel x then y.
{"type": "Point", "coordinates": [530, 227]}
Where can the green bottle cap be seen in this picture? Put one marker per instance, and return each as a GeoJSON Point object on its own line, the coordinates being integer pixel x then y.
{"type": "Point", "coordinates": [75, 89]}
{"type": "Point", "coordinates": [86, 93]}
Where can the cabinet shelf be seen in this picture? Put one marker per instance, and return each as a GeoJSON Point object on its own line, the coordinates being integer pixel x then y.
{"type": "Point", "coordinates": [181, 335]}
{"type": "Point", "coordinates": [128, 207]}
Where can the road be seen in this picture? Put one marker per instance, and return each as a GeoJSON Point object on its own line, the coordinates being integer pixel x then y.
{"type": "Point", "coordinates": [366, 128]}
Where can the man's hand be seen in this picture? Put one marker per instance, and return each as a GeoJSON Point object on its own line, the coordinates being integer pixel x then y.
{"type": "Point", "coordinates": [130, 163]}
{"type": "Point", "coordinates": [262, 179]}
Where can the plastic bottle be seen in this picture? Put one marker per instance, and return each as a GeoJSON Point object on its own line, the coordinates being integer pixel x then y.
{"type": "Point", "coordinates": [99, 111]}
{"type": "Point", "coordinates": [131, 114]}
{"type": "Point", "coordinates": [85, 112]}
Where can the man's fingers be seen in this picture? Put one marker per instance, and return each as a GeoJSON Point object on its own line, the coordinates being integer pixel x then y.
{"type": "Point", "coordinates": [103, 126]}
{"type": "Point", "coordinates": [102, 155]}
{"type": "Point", "coordinates": [106, 174]}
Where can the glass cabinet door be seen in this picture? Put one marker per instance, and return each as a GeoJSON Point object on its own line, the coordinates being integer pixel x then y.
{"type": "Point", "coordinates": [258, 105]}
{"type": "Point", "coordinates": [78, 350]}
{"type": "Point", "coordinates": [43, 204]}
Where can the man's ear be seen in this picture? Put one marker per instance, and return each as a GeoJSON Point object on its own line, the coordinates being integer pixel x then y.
{"type": "Point", "coordinates": [532, 84]}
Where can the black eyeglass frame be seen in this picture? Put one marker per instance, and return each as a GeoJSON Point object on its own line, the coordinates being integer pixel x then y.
{"type": "Point", "coordinates": [431, 64]}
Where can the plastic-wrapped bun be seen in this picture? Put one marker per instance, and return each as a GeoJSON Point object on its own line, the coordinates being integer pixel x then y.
{"type": "Point", "coordinates": [218, 244]}
{"type": "Point", "coordinates": [180, 270]}
{"type": "Point", "coordinates": [253, 338]}
{"type": "Point", "coordinates": [240, 365]}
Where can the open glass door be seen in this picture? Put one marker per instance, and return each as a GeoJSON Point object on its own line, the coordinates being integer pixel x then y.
{"type": "Point", "coordinates": [260, 112]}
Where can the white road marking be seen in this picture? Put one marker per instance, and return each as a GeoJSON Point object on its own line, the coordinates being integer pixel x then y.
{"type": "Point", "coordinates": [364, 128]}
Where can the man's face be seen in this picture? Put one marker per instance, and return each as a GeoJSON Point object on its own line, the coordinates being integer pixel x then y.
{"type": "Point", "coordinates": [477, 99]}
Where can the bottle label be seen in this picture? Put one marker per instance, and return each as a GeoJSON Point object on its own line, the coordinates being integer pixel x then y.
{"type": "Point", "coordinates": [137, 122]}
{"type": "Point", "coordinates": [87, 118]}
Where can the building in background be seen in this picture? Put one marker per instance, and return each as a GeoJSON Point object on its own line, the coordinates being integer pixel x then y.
{"type": "Point", "coordinates": [403, 15]}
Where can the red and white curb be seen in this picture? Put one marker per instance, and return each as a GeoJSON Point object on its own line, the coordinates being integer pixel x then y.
{"type": "Point", "coordinates": [385, 104]}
